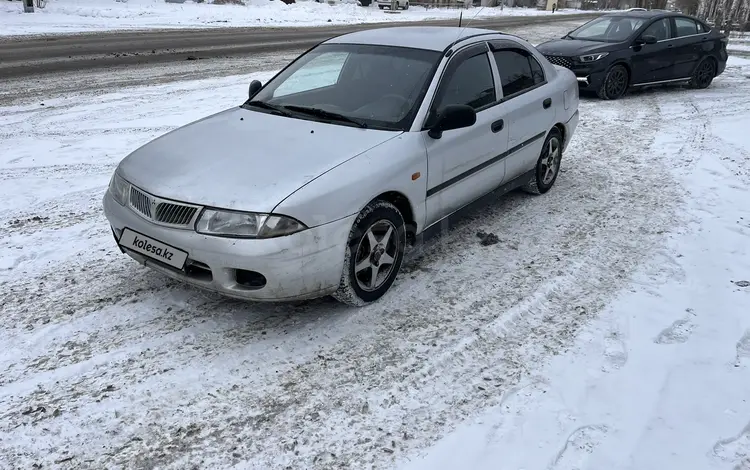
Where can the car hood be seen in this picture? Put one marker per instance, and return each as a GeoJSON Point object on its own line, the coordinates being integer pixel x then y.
{"type": "Point", "coordinates": [243, 159]}
{"type": "Point", "coordinates": [574, 47]}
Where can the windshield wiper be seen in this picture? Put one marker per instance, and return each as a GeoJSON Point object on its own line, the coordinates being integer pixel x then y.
{"type": "Point", "coordinates": [262, 104]}
{"type": "Point", "coordinates": [327, 115]}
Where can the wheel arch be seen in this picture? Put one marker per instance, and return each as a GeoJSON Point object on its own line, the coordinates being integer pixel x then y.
{"type": "Point", "coordinates": [563, 132]}
{"type": "Point", "coordinates": [628, 69]}
{"type": "Point", "coordinates": [711, 58]}
{"type": "Point", "coordinates": [402, 203]}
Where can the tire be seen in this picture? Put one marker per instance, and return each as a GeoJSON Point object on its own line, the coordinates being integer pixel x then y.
{"type": "Point", "coordinates": [376, 220]}
{"type": "Point", "coordinates": [615, 83]}
{"type": "Point", "coordinates": [703, 74]}
{"type": "Point", "coordinates": [406, 7]}
{"type": "Point", "coordinates": [542, 181]}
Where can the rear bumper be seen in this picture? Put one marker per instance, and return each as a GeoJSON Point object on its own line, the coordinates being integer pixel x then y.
{"type": "Point", "coordinates": [570, 129]}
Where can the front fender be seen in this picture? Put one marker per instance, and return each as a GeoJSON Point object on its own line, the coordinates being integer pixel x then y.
{"type": "Point", "coordinates": [399, 165]}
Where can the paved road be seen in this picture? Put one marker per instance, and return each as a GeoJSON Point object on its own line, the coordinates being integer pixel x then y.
{"type": "Point", "coordinates": [32, 56]}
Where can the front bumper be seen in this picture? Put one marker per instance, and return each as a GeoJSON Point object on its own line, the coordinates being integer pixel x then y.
{"type": "Point", "coordinates": [304, 265]}
{"type": "Point", "coordinates": [588, 79]}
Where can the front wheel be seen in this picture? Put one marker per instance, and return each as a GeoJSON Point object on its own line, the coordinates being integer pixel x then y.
{"type": "Point", "coordinates": [615, 83]}
{"type": "Point", "coordinates": [704, 74]}
{"type": "Point", "coordinates": [374, 254]}
{"type": "Point", "coordinates": [548, 164]}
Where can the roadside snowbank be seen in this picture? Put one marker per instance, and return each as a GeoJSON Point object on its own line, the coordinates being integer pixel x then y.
{"type": "Point", "coordinates": [74, 16]}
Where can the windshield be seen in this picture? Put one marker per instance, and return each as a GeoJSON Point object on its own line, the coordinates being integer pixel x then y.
{"type": "Point", "coordinates": [376, 86]}
{"type": "Point", "coordinates": [608, 29]}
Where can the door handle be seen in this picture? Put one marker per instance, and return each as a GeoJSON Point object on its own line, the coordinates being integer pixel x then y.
{"type": "Point", "coordinates": [497, 126]}
{"type": "Point", "coordinates": [547, 103]}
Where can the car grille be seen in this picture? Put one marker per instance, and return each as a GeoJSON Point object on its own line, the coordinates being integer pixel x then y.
{"type": "Point", "coordinates": [561, 61]}
{"type": "Point", "coordinates": [161, 211]}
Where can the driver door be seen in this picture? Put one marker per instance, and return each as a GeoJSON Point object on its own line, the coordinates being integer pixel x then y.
{"type": "Point", "coordinates": [654, 62]}
{"type": "Point", "coordinates": [464, 164]}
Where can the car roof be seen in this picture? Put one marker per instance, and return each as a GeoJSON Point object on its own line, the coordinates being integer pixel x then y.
{"type": "Point", "coordinates": [643, 14]}
{"type": "Point", "coordinates": [435, 38]}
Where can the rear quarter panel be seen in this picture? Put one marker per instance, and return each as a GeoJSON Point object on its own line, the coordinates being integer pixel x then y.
{"type": "Point", "coordinates": [397, 165]}
{"type": "Point", "coordinates": [562, 84]}
{"type": "Point", "coordinates": [567, 93]}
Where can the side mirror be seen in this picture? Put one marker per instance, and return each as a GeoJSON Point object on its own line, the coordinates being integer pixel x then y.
{"type": "Point", "coordinates": [453, 116]}
{"type": "Point", "coordinates": [647, 39]}
{"type": "Point", "coordinates": [255, 87]}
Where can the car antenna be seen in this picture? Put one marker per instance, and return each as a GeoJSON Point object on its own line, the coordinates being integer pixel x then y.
{"type": "Point", "coordinates": [460, 18]}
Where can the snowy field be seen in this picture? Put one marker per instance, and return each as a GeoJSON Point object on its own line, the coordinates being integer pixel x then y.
{"type": "Point", "coordinates": [74, 16]}
{"type": "Point", "coordinates": [609, 329]}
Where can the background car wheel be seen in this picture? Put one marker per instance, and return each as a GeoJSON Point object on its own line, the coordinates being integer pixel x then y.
{"type": "Point", "coordinates": [704, 74]}
{"type": "Point", "coordinates": [374, 254]}
{"type": "Point", "coordinates": [615, 83]}
{"type": "Point", "coordinates": [548, 165]}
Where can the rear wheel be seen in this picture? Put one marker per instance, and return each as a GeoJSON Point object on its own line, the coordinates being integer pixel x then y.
{"type": "Point", "coordinates": [615, 83]}
{"type": "Point", "coordinates": [374, 254]}
{"type": "Point", "coordinates": [548, 164]}
{"type": "Point", "coordinates": [704, 73]}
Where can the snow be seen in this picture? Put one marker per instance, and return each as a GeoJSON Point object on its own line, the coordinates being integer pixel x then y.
{"type": "Point", "coordinates": [661, 378]}
{"type": "Point", "coordinates": [74, 16]}
{"type": "Point", "coordinates": [607, 329]}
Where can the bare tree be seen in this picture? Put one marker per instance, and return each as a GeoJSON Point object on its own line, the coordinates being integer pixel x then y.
{"type": "Point", "coordinates": [725, 13]}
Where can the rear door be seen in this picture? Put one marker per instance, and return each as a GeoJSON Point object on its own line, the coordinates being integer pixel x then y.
{"type": "Point", "coordinates": [527, 106]}
{"type": "Point", "coordinates": [654, 62]}
{"type": "Point", "coordinates": [463, 164]}
{"type": "Point", "coordinates": [687, 49]}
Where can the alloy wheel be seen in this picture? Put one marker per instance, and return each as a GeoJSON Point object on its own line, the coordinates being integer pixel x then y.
{"type": "Point", "coordinates": [705, 73]}
{"type": "Point", "coordinates": [617, 82]}
{"type": "Point", "coordinates": [375, 255]}
{"type": "Point", "coordinates": [551, 161]}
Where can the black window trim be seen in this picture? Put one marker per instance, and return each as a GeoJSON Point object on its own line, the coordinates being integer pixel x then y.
{"type": "Point", "coordinates": [673, 22]}
{"type": "Point", "coordinates": [671, 28]}
{"type": "Point", "coordinates": [456, 59]}
{"type": "Point", "coordinates": [496, 46]}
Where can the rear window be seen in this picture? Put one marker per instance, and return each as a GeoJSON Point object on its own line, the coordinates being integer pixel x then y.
{"type": "Point", "coordinates": [687, 27]}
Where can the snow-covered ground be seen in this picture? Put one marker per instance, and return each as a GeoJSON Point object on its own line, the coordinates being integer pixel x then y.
{"type": "Point", "coordinates": [739, 44]}
{"type": "Point", "coordinates": [74, 16]}
{"type": "Point", "coordinates": [608, 329]}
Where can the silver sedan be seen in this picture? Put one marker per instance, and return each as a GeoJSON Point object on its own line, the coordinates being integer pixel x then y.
{"type": "Point", "coordinates": [315, 185]}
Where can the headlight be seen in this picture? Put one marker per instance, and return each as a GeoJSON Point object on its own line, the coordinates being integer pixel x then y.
{"type": "Point", "coordinates": [119, 189]}
{"type": "Point", "coordinates": [246, 224]}
{"type": "Point", "coordinates": [593, 57]}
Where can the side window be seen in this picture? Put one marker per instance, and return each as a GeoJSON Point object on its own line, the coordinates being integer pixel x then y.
{"type": "Point", "coordinates": [661, 29]}
{"type": "Point", "coordinates": [537, 73]}
{"type": "Point", "coordinates": [470, 83]}
{"type": "Point", "coordinates": [686, 27]}
{"type": "Point", "coordinates": [319, 72]}
{"type": "Point", "coordinates": [516, 71]}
